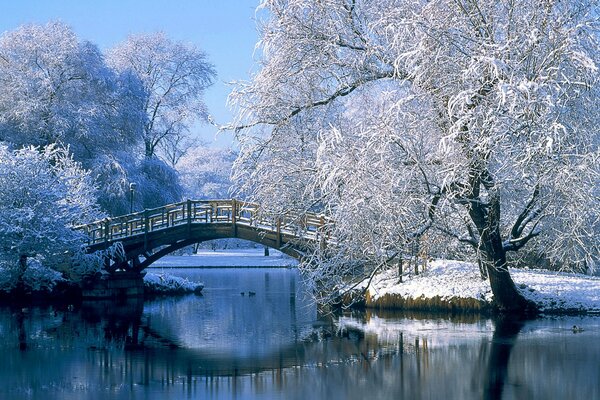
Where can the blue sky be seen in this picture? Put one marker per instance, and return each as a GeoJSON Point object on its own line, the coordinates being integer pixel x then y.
{"type": "Point", "coordinates": [224, 29]}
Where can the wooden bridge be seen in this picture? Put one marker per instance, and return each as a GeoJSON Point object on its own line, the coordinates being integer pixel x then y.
{"type": "Point", "coordinates": [151, 234]}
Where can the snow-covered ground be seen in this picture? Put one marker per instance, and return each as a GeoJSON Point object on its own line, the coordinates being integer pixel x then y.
{"type": "Point", "coordinates": [455, 280]}
{"type": "Point", "coordinates": [560, 290]}
{"type": "Point", "coordinates": [247, 258]}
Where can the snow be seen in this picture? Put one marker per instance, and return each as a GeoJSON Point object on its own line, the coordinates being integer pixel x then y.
{"type": "Point", "coordinates": [560, 290]}
{"type": "Point", "coordinates": [167, 284]}
{"type": "Point", "coordinates": [552, 291]}
{"type": "Point", "coordinates": [443, 278]}
{"type": "Point", "coordinates": [247, 258]}
{"type": "Point", "coordinates": [36, 277]}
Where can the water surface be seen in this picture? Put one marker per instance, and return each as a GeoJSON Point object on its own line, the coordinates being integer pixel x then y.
{"type": "Point", "coordinates": [271, 343]}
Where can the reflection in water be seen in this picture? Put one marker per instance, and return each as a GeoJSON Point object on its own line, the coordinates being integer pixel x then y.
{"type": "Point", "coordinates": [120, 321]}
{"type": "Point", "coordinates": [20, 316]}
{"type": "Point", "coordinates": [273, 345]}
{"type": "Point", "coordinates": [505, 335]}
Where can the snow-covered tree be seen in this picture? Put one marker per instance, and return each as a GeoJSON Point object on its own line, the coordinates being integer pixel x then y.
{"type": "Point", "coordinates": [174, 77]}
{"type": "Point", "coordinates": [43, 195]}
{"type": "Point", "coordinates": [159, 183]}
{"type": "Point", "coordinates": [57, 89]}
{"type": "Point", "coordinates": [205, 172]}
{"type": "Point", "coordinates": [470, 120]}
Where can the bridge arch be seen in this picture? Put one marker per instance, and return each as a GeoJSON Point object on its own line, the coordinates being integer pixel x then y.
{"type": "Point", "coordinates": [151, 234]}
{"type": "Point", "coordinates": [148, 258]}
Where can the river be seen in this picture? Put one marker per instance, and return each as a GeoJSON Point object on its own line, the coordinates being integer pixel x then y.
{"type": "Point", "coordinates": [254, 334]}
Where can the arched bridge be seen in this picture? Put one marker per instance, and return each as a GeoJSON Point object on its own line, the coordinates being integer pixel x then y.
{"type": "Point", "coordinates": [151, 234]}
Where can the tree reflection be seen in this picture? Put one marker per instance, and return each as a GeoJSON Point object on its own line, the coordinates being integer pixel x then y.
{"type": "Point", "coordinates": [22, 334]}
{"type": "Point", "coordinates": [105, 348]}
{"type": "Point", "coordinates": [505, 335]}
{"type": "Point", "coordinates": [120, 320]}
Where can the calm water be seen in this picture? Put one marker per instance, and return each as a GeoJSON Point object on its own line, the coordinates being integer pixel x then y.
{"type": "Point", "coordinates": [274, 345]}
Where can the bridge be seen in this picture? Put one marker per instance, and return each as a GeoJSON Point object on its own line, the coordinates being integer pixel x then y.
{"type": "Point", "coordinates": [148, 235]}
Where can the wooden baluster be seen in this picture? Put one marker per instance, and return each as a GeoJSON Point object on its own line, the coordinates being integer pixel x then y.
{"type": "Point", "coordinates": [233, 211]}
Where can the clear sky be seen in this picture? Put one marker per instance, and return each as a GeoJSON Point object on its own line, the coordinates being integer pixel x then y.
{"type": "Point", "coordinates": [224, 29]}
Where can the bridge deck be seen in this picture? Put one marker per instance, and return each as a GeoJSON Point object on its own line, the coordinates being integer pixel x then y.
{"type": "Point", "coordinates": [208, 213]}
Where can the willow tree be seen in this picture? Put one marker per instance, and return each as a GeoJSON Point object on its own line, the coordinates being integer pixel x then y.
{"type": "Point", "coordinates": [473, 120]}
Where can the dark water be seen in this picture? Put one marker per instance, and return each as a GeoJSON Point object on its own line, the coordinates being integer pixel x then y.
{"type": "Point", "coordinates": [275, 345]}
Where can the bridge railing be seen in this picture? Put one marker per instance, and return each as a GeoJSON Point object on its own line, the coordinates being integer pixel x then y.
{"type": "Point", "coordinates": [198, 212]}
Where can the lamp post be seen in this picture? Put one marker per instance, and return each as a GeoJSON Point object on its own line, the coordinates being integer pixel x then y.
{"type": "Point", "coordinates": [132, 186]}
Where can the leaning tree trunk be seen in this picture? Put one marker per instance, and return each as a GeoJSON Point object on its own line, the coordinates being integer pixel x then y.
{"type": "Point", "coordinates": [506, 296]}
{"type": "Point", "coordinates": [493, 255]}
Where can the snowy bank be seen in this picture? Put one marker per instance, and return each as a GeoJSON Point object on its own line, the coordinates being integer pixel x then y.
{"type": "Point", "coordinates": [455, 286]}
{"type": "Point", "coordinates": [164, 284]}
{"type": "Point", "coordinates": [245, 258]}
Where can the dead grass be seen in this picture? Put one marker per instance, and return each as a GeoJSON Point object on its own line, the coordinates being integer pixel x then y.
{"type": "Point", "coordinates": [453, 304]}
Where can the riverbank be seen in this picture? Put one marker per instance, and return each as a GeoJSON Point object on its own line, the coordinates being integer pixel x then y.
{"type": "Point", "coordinates": [457, 286]}
{"type": "Point", "coordinates": [156, 283]}
{"type": "Point", "coordinates": [46, 285]}
{"type": "Point", "coordinates": [450, 286]}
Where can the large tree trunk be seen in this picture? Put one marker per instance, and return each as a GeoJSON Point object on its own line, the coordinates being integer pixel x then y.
{"type": "Point", "coordinates": [486, 218]}
{"type": "Point", "coordinates": [148, 148]}
{"type": "Point", "coordinates": [506, 296]}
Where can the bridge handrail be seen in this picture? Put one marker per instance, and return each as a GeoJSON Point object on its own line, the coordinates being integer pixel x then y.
{"type": "Point", "coordinates": [220, 211]}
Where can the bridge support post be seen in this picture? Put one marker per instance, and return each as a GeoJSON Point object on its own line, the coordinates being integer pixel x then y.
{"type": "Point", "coordinates": [189, 217]}
{"type": "Point", "coordinates": [106, 229]}
{"type": "Point", "coordinates": [322, 236]}
{"type": "Point", "coordinates": [234, 217]}
{"type": "Point", "coordinates": [146, 229]}
{"type": "Point", "coordinates": [278, 232]}
{"type": "Point", "coordinates": [116, 285]}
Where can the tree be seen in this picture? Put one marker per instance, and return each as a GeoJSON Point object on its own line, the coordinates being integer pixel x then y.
{"type": "Point", "coordinates": [468, 120]}
{"type": "Point", "coordinates": [43, 195]}
{"type": "Point", "coordinates": [205, 172]}
{"type": "Point", "coordinates": [174, 77]}
{"type": "Point", "coordinates": [57, 89]}
{"type": "Point", "coordinates": [159, 183]}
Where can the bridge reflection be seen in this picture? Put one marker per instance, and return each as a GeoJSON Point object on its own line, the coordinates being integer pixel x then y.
{"type": "Point", "coordinates": [152, 351]}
